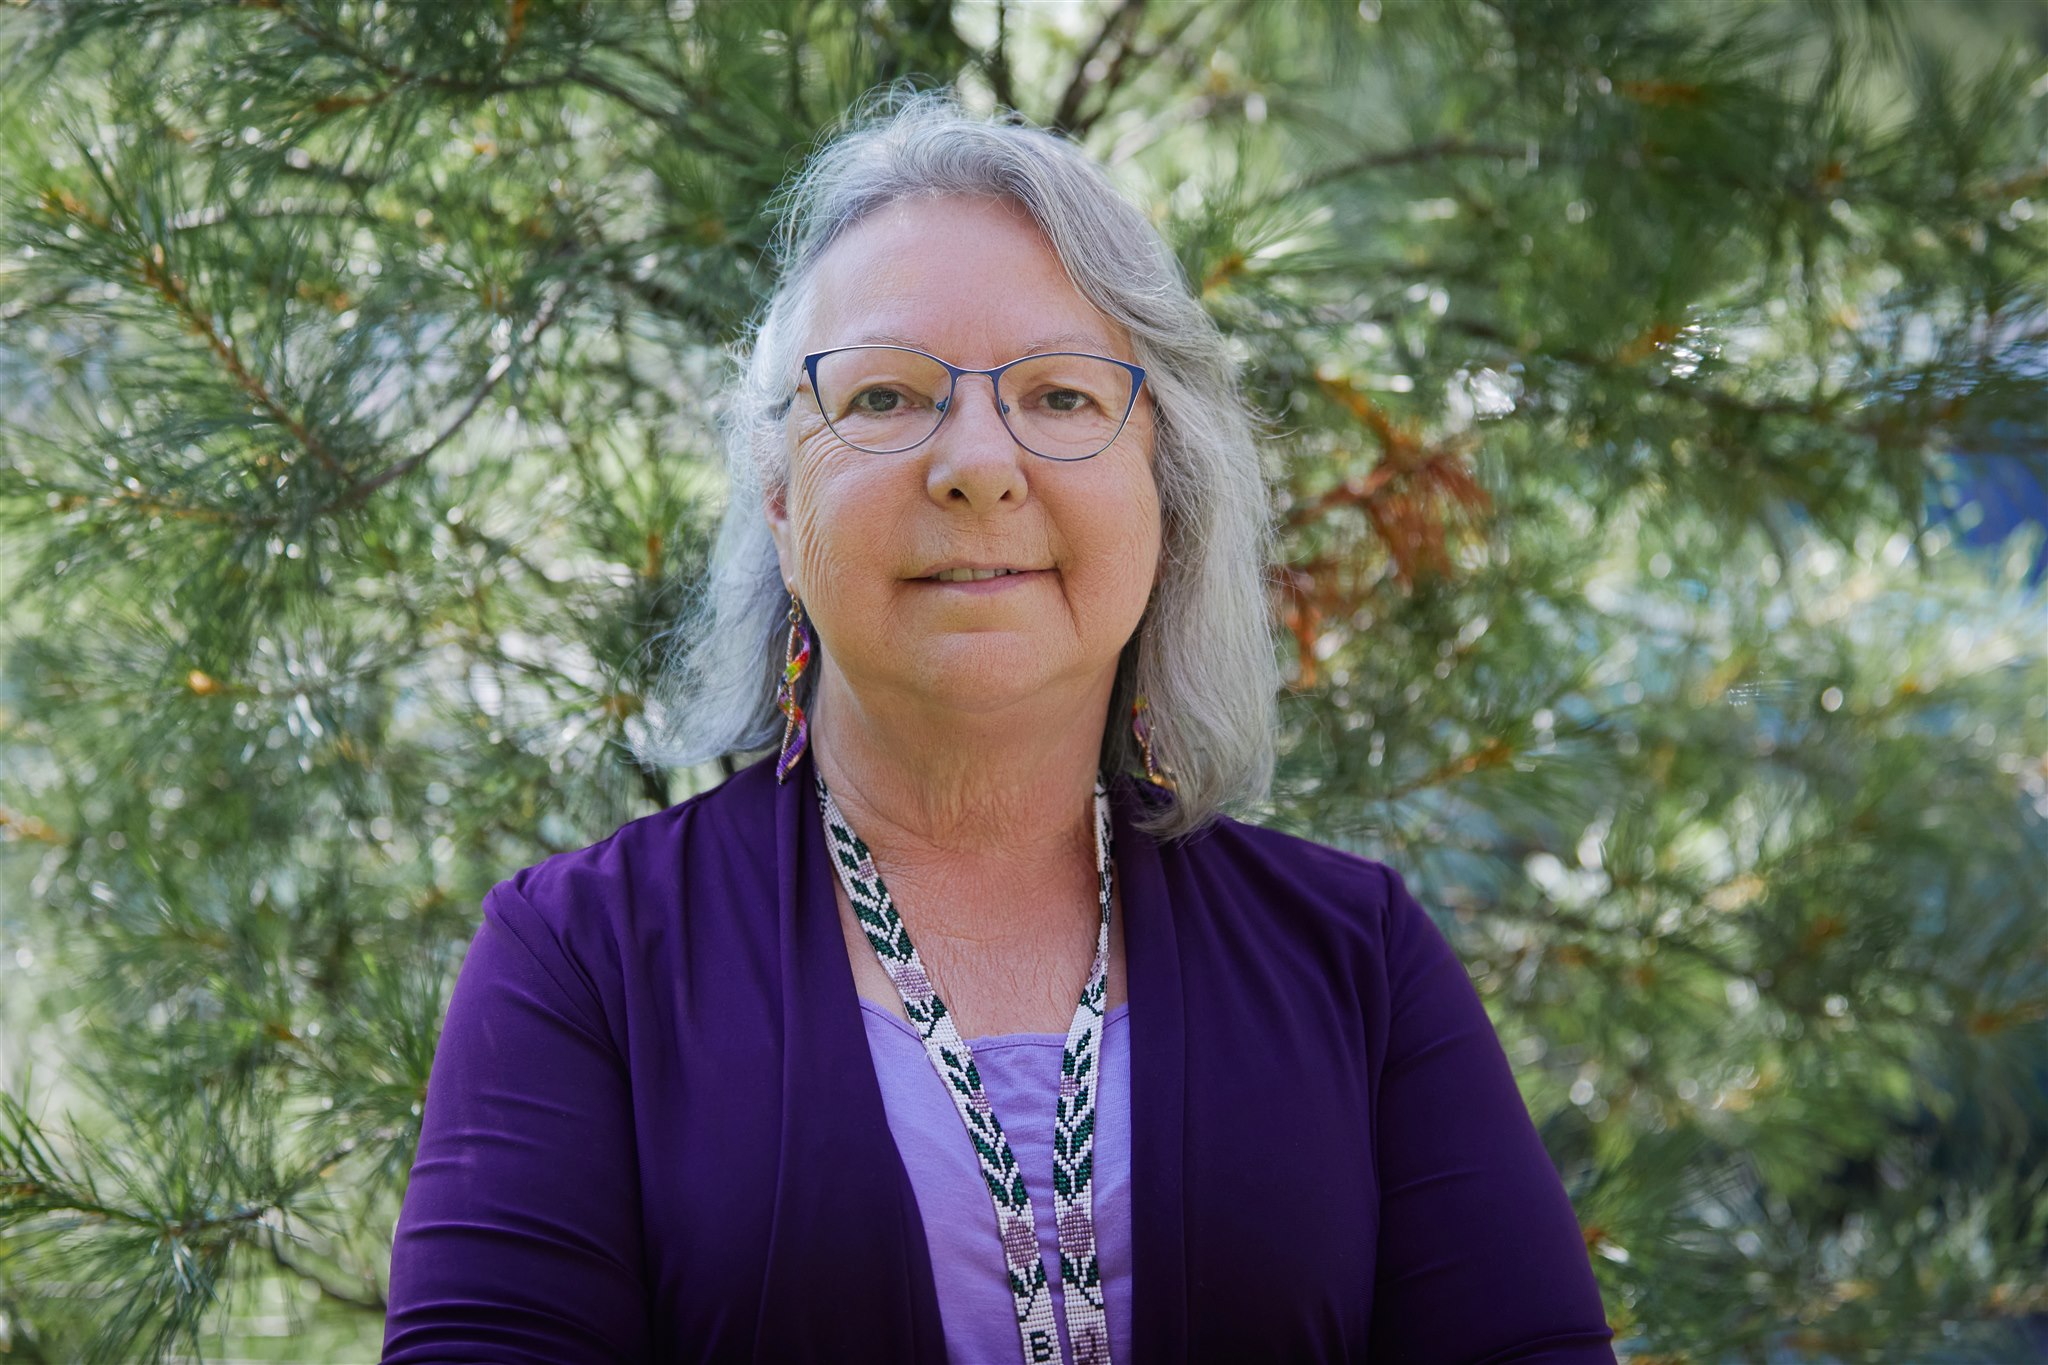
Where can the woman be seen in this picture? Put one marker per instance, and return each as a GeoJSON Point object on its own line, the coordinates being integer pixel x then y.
{"type": "Point", "coordinates": [795, 1070]}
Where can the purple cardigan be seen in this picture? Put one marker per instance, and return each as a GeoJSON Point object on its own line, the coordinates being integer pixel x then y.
{"type": "Point", "coordinates": [654, 1131]}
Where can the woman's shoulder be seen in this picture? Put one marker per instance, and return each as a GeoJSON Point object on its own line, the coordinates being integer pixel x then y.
{"type": "Point", "coordinates": [1330, 922]}
{"type": "Point", "coordinates": [1288, 872]}
{"type": "Point", "coordinates": [1297, 855]}
{"type": "Point", "coordinates": [649, 852]}
{"type": "Point", "coordinates": [608, 900]}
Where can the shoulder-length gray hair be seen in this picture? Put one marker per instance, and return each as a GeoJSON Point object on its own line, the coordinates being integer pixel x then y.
{"type": "Point", "coordinates": [1203, 655]}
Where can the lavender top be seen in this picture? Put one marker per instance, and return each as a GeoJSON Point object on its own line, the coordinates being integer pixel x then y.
{"type": "Point", "coordinates": [1020, 1074]}
{"type": "Point", "coordinates": [655, 1131]}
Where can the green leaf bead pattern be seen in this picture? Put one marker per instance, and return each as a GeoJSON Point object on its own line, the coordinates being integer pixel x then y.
{"type": "Point", "coordinates": [1073, 1118]}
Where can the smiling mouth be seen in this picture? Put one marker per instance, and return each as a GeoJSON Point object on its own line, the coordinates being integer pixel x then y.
{"type": "Point", "coordinates": [971, 575]}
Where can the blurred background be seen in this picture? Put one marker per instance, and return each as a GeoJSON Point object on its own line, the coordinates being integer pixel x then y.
{"type": "Point", "coordinates": [1657, 399]}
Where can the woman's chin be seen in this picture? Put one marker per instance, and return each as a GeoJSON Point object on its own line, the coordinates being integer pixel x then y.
{"type": "Point", "coordinates": [986, 673]}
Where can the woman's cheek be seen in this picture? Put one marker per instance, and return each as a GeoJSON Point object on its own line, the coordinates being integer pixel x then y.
{"type": "Point", "coordinates": [1137, 575]}
{"type": "Point", "coordinates": [815, 549]}
{"type": "Point", "coordinates": [1124, 532]}
{"type": "Point", "coordinates": [809, 495]}
{"type": "Point", "coordinates": [837, 544]}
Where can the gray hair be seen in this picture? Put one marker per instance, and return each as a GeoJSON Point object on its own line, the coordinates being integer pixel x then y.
{"type": "Point", "coordinates": [1203, 655]}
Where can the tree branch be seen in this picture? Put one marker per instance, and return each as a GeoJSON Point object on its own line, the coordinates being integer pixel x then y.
{"type": "Point", "coordinates": [1081, 83]}
{"type": "Point", "coordinates": [1131, 59]}
{"type": "Point", "coordinates": [1718, 400]}
{"type": "Point", "coordinates": [23, 307]}
{"type": "Point", "coordinates": [152, 265]}
{"type": "Point", "coordinates": [157, 274]}
{"type": "Point", "coordinates": [214, 215]}
{"type": "Point", "coordinates": [1422, 153]}
{"type": "Point", "coordinates": [605, 85]}
{"type": "Point", "coordinates": [996, 61]}
{"type": "Point", "coordinates": [372, 1301]}
{"type": "Point", "coordinates": [357, 493]}
{"type": "Point", "coordinates": [399, 77]}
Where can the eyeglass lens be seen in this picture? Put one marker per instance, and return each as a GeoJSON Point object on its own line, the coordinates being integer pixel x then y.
{"type": "Point", "coordinates": [884, 399]}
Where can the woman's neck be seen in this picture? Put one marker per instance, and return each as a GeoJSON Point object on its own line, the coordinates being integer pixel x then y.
{"type": "Point", "coordinates": [988, 788]}
{"type": "Point", "coordinates": [984, 831]}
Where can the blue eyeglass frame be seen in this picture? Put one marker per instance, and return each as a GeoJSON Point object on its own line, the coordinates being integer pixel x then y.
{"type": "Point", "coordinates": [995, 382]}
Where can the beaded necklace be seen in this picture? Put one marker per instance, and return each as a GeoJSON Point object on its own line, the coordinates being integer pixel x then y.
{"type": "Point", "coordinates": [1073, 1144]}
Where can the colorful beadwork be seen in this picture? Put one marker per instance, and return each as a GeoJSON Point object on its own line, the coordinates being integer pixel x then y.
{"type": "Point", "coordinates": [1073, 1119]}
{"type": "Point", "coordinates": [796, 657]}
{"type": "Point", "coordinates": [1141, 730]}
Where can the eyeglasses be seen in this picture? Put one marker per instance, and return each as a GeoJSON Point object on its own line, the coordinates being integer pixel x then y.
{"type": "Point", "coordinates": [1062, 405]}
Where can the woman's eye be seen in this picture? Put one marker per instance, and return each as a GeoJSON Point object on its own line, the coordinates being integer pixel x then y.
{"type": "Point", "coordinates": [1066, 400]}
{"type": "Point", "coordinates": [874, 402]}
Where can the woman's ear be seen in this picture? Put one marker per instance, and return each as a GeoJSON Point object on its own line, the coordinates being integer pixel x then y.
{"type": "Point", "coordinates": [775, 508]}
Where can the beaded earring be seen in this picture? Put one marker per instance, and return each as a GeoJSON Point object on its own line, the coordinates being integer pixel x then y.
{"type": "Point", "coordinates": [796, 657]}
{"type": "Point", "coordinates": [1141, 727]}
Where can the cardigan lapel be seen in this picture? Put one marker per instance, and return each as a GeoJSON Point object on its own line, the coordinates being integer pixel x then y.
{"type": "Point", "coordinates": [1159, 1282]}
{"type": "Point", "coordinates": [847, 1258]}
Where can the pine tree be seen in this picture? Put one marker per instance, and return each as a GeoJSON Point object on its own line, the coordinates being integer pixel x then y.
{"type": "Point", "coordinates": [357, 381]}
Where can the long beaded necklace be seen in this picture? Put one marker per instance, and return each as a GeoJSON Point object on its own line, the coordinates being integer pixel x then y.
{"type": "Point", "coordinates": [1073, 1144]}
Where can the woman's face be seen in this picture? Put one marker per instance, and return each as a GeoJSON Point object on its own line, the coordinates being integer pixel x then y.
{"type": "Point", "coordinates": [861, 537]}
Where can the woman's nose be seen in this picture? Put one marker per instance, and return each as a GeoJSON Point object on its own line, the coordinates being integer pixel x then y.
{"type": "Point", "coordinates": [974, 458]}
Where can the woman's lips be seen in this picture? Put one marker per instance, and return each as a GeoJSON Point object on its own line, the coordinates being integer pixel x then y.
{"type": "Point", "coordinates": [1000, 583]}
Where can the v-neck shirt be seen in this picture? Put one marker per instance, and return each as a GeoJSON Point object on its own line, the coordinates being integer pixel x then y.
{"type": "Point", "coordinates": [1020, 1073]}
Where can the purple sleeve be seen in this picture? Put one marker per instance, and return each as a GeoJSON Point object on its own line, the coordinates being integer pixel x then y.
{"type": "Point", "coordinates": [1481, 1258]}
{"type": "Point", "coordinates": [519, 1237]}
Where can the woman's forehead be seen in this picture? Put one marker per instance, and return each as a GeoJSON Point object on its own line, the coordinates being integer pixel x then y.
{"type": "Point", "coordinates": [919, 339]}
{"type": "Point", "coordinates": [952, 272]}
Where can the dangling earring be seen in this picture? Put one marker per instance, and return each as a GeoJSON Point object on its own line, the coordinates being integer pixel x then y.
{"type": "Point", "coordinates": [796, 657]}
{"type": "Point", "coordinates": [1141, 726]}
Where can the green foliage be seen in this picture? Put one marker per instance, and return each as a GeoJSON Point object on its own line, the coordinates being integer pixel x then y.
{"type": "Point", "coordinates": [357, 386]}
